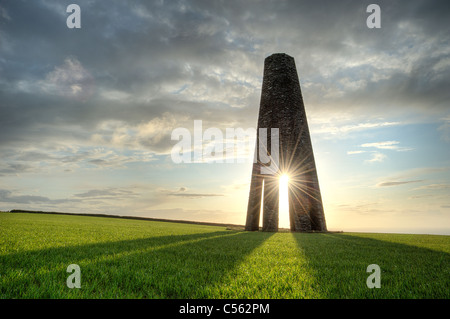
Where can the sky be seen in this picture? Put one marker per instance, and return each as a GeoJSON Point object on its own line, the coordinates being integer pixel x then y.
{"type": "Point", "coordinates": [87, 114]}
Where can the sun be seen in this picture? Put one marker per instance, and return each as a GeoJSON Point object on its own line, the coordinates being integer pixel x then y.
{"type": "Point", "coordinates": [284, 179]}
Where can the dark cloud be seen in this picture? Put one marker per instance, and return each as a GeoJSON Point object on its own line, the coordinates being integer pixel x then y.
{"type": "Point", "coordinates": [7, 196]}
{"type": "Point", "coordinates": [15, 168]}
{"type": "Point", "coordinates": [139, 62]}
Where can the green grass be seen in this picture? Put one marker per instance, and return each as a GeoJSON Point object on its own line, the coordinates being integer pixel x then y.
{"type": "Point", "coordinates": [121, 258]}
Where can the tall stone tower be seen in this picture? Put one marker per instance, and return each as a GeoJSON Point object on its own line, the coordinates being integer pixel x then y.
{"type": "Point", "coordinates": [282, 108]}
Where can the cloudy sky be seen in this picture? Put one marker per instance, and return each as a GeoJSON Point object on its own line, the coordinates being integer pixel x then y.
{"type": "Point", "coordinates": [86, 115]}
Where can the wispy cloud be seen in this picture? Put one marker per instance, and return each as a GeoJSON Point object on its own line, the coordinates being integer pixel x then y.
{"type": "Point", "coordinates": [350, 128]}
{"type": "Point", "coordinates": [70, 79]}
{"type": "Point", "coordinates": [445, 129]}
{"type": "Point", "coordinates": [355, 152]}
{"type": "Point", "coordinates": [382, 145]}
{"type": "Point", "coordinates": [182, 192]}
{"type": "Point", "coordinates": [397, 183]}
{"type": "Point", "coordinates": [4, 14]}
{"type": "Point", "coordinates": [365, 126]}
{"type": "Point", "coordinates": [376, 157]}
{"type": "Point", "coordinates": [434, 187]}
{"type": "Point", "coordinates": [362, 208]}
{"type": "Point", "coordinates": [194, 195]}
{"type": "Point", "coordinates": [107, 193]}
{"type": "Point", "coordinates": [418, 172]}
{"type": "Point", "coordinates": [388, 145]}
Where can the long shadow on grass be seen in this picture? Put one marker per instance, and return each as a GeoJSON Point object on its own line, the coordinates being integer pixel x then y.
{"type": "Point", "coordinates": [338, 263]}
{"type": "Point", "coordinates": [182, 266]}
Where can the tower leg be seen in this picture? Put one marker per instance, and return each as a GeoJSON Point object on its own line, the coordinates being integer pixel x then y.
{"type": "Point", "coordinates": [270, 209]}
{"type": "Point", "coordinates": [254, 201]}
{"type": "Point", "coordinates": [298, 210]}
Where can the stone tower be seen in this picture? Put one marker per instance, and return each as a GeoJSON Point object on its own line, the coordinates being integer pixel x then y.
{"type": "Point", "coordinates": [282, 108]}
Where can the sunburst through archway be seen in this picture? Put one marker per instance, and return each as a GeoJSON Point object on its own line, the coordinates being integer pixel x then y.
{"type": "Point", "coordinates": [295, 186]}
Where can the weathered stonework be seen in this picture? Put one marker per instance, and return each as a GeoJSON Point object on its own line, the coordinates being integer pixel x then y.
{"type": "Point", "coordinates": [282, 107]}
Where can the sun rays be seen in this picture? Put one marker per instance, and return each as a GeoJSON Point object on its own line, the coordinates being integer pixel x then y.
{"type": "Point", "coordinates": [296, 186]}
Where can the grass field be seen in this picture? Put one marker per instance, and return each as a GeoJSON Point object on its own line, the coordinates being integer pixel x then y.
{"type": "Point", "coordinates": [121, 258]}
